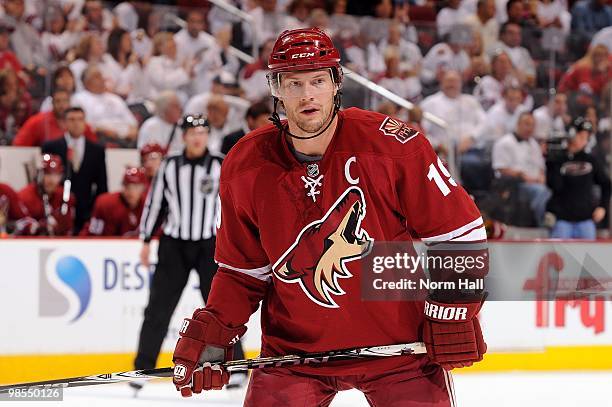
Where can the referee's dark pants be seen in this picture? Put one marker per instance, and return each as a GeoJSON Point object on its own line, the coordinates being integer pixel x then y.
{"type": "Point", "coordinates": [175, 260]}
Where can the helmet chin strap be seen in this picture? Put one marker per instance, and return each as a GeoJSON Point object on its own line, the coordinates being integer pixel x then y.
{"type": "Point", "coordinates": [275, 118]}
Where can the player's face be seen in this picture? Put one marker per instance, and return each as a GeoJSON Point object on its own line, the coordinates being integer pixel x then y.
{"type": "Point", "coordinates": [51, 181]}
{"type": "Point", "coordinates": [133, 193]}
{"type": "Point", "coordinates": [308, 98]}
{"type": "Point", "coordinates": [151, 164]}
{"type": "Point", "coordinates": [195, 140]}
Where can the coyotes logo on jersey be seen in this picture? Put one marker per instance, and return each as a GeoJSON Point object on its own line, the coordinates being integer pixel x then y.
{"type": "Point", "coordinates": [398, 129]}
{"type": "Point", "coordinates": [316, 260]}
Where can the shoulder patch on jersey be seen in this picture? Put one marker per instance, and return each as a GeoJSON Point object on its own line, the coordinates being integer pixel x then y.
{"type": "Point", "coordinates": [398, 129]}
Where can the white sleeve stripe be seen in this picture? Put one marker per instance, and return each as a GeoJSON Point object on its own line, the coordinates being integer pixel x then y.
{"type": "Point", "coordinates": [473, 236]}
{"type": "Point", "coordinates": [454, 233]}
{"type": "Point", "coordinates": [261, 273]}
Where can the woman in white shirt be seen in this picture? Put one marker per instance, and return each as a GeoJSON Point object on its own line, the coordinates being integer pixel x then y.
{"type": "Point", "coordinates": [164, 72]}
{"type": "Point", "coordinates": [89, 51]}
{"type": "Point", "coordinates": [121, 67]}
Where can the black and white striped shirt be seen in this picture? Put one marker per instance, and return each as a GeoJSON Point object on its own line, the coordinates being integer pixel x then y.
{"type": "Point", "coordinates": [187, 191]}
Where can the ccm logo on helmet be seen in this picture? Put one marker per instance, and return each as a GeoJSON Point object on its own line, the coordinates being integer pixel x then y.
{"type": "Point", "coordinates": [303, 55]}
{"type": "Point", "coordinates": [445, 313]}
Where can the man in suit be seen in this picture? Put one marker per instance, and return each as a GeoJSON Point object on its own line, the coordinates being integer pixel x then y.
{"type": "Point", "coordinates": [84, 163]}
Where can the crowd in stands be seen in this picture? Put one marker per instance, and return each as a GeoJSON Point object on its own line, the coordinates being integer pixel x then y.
{"type": "Point", "coordinates": [509, 77]}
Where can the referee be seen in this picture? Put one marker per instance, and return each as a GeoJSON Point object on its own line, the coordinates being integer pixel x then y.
{"type": "Point", "coordinates": [186, 189]}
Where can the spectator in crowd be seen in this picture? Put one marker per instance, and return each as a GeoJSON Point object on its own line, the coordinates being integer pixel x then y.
{"type": "Point", "coordinates": [257, 116]}
{"type": "Point", "coordinates": [192, 41]}
{"type": "Point", "coordinates": [217, 111]}
{"type": "Point", "coordinates": [553, 14]}
{"type": "Point", "coordinates": [588, 76]}
{"type": "Point", "coordinates": [448, 55]}
{"type": "Point", "coordinates": [44, 199]}
{"type": "Point", "coordinates": [462, 113]}
{"type": "Point", "coordinates": [25, 40]}
{"type": "Point", "coordinates": [501, 119]}
{"type": "Point", "coordinates": [319, 19]}
{"type": "Point", "coordinates": [15, 106]}
{"type": "Point", "coordinates": [298, 11]}
{"type": "Point", "coordinates": [48, 126]}
{"type": "Point", "coordinates": [89, 52]}
{"type": "Point", "coordinates": [449, 16]}
{"type": "Point", "coordinates": [604, 37]}
{"type": "Point", "coordinates": [404, 83]}
{"type": "Point", "coordinates": [590, 16]}
{"type": "Point", "coordinates": [163, 128]}
{"type": "Point", "coordinates": [484, 22]}
{"type": "Point", "coordinates": [142, 37]}
{"type": "Point", "coordinates": [352, 48]}
{"type": "Point", "coordinates": [552, 117]}
{"type": "Point", "coordinates": [164, 70]}
{"type": "Point", "coordinates": [62, 78]}
{"type": "Point", "coordinates": [571, 177]}
{"type": "Point", "coordinates": [267, 22]}
{"type": "Point", "coordinates": [59, 37]}
{"type": "Point", "coordinates": [97, 18]}
{"type": "Point", "coordinates": [490, 88]}
{"type": "Point", "coordinates": [118, 213]}
{"type": "Point", "coordinates": [8, 59]}
{"type": "Point", "coordinates": [216, 59]}
{"type": "Point", "coordinates": [84, 163]}
{"type": "Point", "coordinates": [409, 53]}
{"type": "Point", "coordinates": [122, 69]}
{"type": "Point", "coordinates": [518, 156]}
{"type": "Point", "coordinates": [523, 15]}
{"type": "Point", "coordinates": [106, 112]}
{"type": "Point", "coordinates": [223, 84]}
{"type": "Point", "coordinates": [510, 43]}
{"type": "Point", "coordinates": [151, 156]}
{"type": "Point", "coordinates": [253, 79]}
{"type": "Point", "coordinates": [12, 210]}
{"type": "Point", "coordinates": [126, 14]}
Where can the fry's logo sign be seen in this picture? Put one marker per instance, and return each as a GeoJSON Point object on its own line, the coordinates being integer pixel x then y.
{"type": "Point", "coordinates": [585, 293]}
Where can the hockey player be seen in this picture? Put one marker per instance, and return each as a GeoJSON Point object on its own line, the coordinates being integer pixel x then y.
{"type": "Point", "coordinates": [14, 216]}
{"type": "Point", "coordinates": [118, 213]}
{"type": "Point", "coordinates": [45, 201]}
{"type": "Point", "coordinates": [151, 156]}
{"type": "Point", "coordinates": [300, 200]}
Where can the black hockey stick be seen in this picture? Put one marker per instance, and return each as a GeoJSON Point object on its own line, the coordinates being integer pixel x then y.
{"type": "Point", "coordinates": [232, 366]}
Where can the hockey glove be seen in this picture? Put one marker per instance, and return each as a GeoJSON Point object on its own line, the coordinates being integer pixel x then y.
{"type": "Point", "coordinates": [452, 334]}
{"type": "Point", "coordinates": [204, 343]}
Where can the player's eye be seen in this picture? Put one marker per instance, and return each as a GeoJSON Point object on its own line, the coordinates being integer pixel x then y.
{"type": "Point", "coordinates": [294, 84]}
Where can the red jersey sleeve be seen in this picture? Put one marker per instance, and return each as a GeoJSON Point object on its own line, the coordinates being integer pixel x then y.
{"type": "Point", "coordinates": [244, 269]}
{"type": "Point", "coordinates": [435, 207]}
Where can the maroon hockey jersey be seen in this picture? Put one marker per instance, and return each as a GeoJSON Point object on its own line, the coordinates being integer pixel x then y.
{"type": "Point", "coordinates": [290, 234]}
{"type": "Point", "coordinates": [55, 223]}
{"type": "Point", "coordinates": [112, 216]}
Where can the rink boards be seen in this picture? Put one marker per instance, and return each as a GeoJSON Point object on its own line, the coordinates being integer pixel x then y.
{"type": "Point", "coordinates": [73, 307]}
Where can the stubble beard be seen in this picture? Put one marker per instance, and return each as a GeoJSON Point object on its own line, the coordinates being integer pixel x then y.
{"type": "Point", "coordinates": [311, 126]}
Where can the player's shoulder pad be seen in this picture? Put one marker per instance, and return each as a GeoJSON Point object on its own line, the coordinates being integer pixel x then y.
{"type": "Point", "coordinates": [250, 152]}
{"type": "Point", "coordinates": [108, 198]}
{"type": "Point", "coordinates": [382, 133]}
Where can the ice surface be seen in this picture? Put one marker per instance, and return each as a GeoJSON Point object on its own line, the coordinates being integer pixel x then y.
{"type": "Point", "coordinates": [572, 389]}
